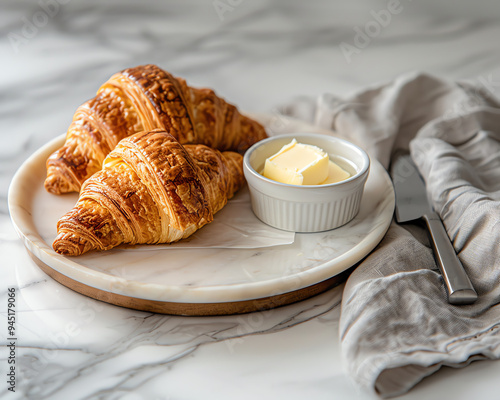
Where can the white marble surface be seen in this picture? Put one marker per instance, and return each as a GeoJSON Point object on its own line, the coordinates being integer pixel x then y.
{"type": "Point", "coordinates": [258, 55]}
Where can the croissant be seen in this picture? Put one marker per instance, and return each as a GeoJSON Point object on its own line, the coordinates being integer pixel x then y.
{"type": "Point", "coordinates": [139, 99]}
{"type": "Point", "coordinates": [151, 189]}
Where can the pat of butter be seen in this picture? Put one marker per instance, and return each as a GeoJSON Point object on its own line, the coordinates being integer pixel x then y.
{"type": "Point", "coordinates": [302, 164]}
{"type": "Point", "coordinates": [335, 174]}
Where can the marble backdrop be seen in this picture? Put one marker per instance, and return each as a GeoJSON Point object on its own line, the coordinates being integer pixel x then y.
{"type": "Point", "coordinates": [259, 55]}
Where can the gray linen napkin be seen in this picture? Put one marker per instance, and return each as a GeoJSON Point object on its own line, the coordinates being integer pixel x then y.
{"type": "Point", "coordinates": [396, 325]}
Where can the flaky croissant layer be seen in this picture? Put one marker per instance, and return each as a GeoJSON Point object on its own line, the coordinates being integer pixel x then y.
{"type": "Point", "coordinates": [151, 189]}
{"type": "Point", "coordinates": [139, 99]}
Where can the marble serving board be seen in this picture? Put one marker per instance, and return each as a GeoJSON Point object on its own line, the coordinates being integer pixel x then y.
{"type": "Point", "coordinates": [201, 281]}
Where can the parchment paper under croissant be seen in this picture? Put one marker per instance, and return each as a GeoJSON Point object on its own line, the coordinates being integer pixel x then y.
{"type": "Point", "coordinates": [139, 99]}
{"type": "Point", "coordinates": [151, 189]}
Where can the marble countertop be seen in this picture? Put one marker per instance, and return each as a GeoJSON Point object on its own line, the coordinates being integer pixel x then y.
{"type": "Point", "coordinates": [258, 55]}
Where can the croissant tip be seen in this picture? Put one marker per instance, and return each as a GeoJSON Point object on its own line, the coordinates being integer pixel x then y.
{"type": "Point", "coordinates": [57, 184]}
{"type": "Point", "coordinates": [68, 244]}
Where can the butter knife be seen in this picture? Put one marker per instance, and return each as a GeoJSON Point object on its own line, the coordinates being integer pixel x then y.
{"type": "Point", "coordinates": [412, 204]}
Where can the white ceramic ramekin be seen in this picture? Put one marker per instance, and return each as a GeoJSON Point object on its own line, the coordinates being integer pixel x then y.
{"type": "Point", "coordinates": [312, 208]}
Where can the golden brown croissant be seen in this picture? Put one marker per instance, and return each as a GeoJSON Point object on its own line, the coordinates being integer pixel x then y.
{"type": "Point", "coordinates": [151, 189]}
{"type": "Point", "coordinates": [142, 99]}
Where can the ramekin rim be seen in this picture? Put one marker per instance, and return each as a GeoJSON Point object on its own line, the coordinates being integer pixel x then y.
{"type": "Point", "coordinates": [357, 176]}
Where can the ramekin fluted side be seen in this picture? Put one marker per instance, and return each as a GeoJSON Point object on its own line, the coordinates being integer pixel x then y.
{"type": "Point", "coordinates": [305, 216]}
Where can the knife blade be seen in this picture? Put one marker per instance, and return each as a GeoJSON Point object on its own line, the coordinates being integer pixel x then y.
{"type": "Point", "coordinates": [412, 204]}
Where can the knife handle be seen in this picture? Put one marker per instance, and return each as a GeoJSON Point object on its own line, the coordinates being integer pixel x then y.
{"type": "Point", "coordinates": [460, 289]}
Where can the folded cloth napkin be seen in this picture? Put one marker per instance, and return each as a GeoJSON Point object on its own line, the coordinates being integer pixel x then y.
{"type": "Point", "coordinates": [396, 324]}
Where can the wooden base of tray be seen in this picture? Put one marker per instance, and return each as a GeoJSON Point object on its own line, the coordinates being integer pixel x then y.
{"type": "Point", "coordinates": [193, 309]}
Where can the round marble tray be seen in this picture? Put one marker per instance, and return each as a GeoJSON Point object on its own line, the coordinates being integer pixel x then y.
{"type": "Point", "coordinates": [200, 281]}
